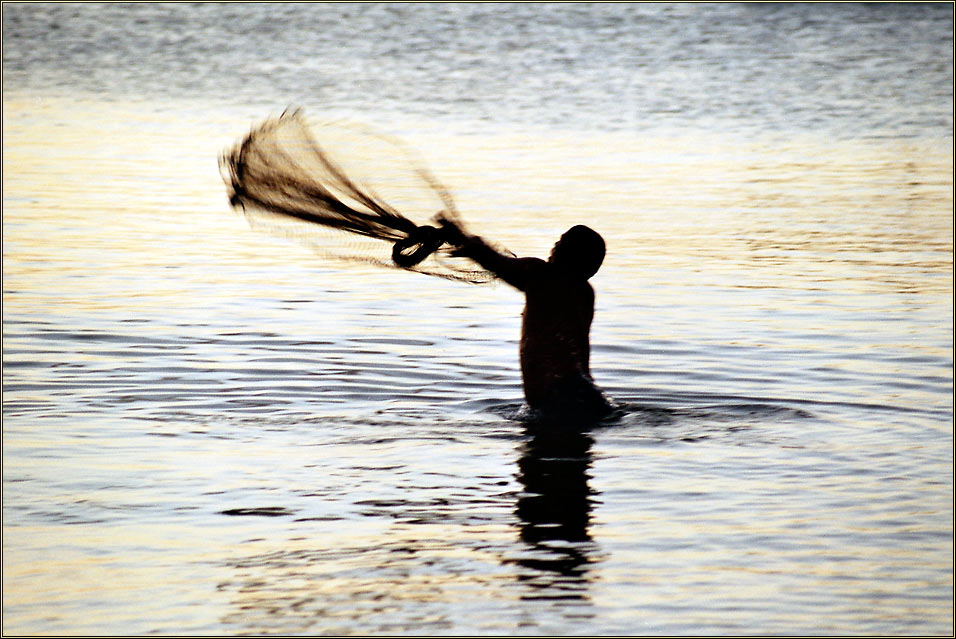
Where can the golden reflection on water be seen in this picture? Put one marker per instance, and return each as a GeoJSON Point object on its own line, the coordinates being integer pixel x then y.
{"type": "Point", "coordinates": [95, 186]}
{"type": "Point", "coordinates": [112, 213]}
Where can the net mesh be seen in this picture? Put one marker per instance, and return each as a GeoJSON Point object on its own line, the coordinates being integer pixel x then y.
{"type": "Point", "coordinates": [359, 196]}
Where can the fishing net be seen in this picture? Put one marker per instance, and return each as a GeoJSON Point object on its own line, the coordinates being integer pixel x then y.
{"type": "Point", "coordinates": [343, 197]}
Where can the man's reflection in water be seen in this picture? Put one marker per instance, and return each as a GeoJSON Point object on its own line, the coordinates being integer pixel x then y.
{"type": "Point", "coordinates": [555, 511]}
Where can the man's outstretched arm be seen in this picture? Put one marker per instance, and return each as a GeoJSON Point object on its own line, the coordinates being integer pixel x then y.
{"type": "Point", "coordinates": [516, 271]}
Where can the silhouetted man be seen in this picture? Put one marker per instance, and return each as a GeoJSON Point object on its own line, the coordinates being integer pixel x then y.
{"type": "Point", "coordinates": [556, 322]}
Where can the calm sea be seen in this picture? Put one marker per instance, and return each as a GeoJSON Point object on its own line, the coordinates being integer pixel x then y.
{"type": "Point", "coordinates": [208, 429]}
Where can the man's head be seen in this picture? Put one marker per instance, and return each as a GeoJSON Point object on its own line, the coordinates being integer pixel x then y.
{"type": "Point", "coordinates": [580, 252]}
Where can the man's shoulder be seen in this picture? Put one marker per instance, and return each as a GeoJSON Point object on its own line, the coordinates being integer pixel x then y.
{"type": "Point", "coordinates": [534, 269]}
{"type": "Point", "coordinates": [543, 274]}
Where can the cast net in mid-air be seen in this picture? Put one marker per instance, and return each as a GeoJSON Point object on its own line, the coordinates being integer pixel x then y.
{"type": "Point", "coordinates": [345, 191]}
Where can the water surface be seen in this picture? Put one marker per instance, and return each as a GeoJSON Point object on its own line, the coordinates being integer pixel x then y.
{"type": "Point", "coordinates": [208, 429]}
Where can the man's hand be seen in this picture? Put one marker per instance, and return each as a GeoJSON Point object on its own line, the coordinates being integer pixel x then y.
{"type": "Point", "coordinates": [451, 230]}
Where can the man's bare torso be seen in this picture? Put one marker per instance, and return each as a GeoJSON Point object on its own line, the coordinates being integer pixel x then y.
{"type": "Point", "coordinates": [554, 330]}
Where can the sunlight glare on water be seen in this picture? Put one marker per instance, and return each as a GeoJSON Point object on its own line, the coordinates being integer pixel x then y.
{"type": "Point", "coordinates": [254, 378]}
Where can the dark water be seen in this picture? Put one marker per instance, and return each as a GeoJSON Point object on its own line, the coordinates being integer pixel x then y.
{"type": "Point", "coordinates": [843, 70]}
{"type": "Point", "coordinates": [211, 430]}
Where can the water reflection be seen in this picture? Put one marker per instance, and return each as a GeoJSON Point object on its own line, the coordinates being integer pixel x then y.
{"type": "Point", "coordinates": [555, 512]}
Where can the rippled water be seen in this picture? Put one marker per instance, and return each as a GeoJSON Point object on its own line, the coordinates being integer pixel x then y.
{"type": "Point", "coordinates": [211, 430]}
